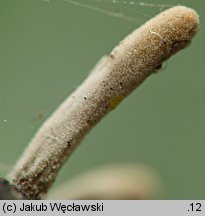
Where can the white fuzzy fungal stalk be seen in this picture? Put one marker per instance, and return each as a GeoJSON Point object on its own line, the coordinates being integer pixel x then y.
{"type": "Point", "coordinates": [114, 77]}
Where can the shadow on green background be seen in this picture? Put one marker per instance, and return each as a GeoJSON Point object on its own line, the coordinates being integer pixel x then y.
{"type": "Point", "coordinates": [48, 48]}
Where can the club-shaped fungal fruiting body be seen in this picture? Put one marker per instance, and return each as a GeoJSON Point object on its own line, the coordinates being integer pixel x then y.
{"type": "Point", "coordinates": [114, 77]}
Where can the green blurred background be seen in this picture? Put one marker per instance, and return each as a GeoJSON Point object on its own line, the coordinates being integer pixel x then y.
{"type": "Point", "coordinates": [48, 47]}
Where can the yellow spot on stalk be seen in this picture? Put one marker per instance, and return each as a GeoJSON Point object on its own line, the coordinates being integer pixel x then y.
{"type": "Point", "coordinates": [115, 101]}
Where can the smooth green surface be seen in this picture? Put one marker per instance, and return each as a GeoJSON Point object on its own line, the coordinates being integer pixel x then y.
{"type": "Point", "coordinates": [47, 48]}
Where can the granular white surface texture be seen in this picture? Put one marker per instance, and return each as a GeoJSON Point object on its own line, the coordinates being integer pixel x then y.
{"type": "Point", "coordinates": [115, 76]}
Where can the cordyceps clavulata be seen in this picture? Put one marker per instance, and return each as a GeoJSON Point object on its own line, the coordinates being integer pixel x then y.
{"type": "Point", "coordinates": [113, 78]}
